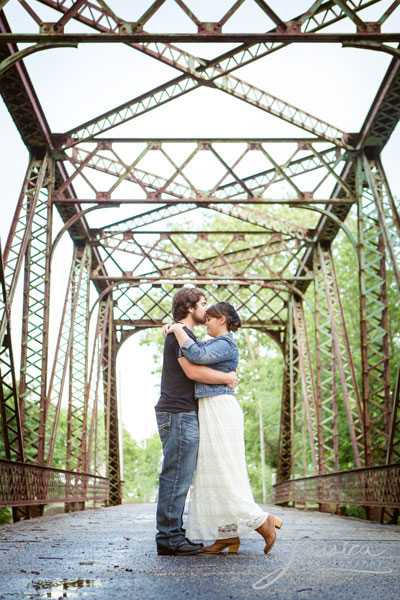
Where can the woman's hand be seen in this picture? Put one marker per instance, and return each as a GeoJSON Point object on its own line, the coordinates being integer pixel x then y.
{"type": "Point", "coordinates": [166, 329]}
{"type": "Point", "coordinates": [170, 327]}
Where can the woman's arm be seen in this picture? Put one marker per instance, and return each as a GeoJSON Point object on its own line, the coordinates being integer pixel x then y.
{"type": "Point", "coordinates": [180, 333]}
{"type": "Point", "coordinates": [211, 353]}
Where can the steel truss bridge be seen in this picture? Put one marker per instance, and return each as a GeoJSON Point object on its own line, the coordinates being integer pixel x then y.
{"type": "Point", "coordinates": [279, 270]}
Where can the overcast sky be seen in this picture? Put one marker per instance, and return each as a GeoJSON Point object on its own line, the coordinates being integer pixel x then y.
{"type": "Point", "coordinates": [73, 85]}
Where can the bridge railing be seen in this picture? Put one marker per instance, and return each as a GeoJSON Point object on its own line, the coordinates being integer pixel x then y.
{"type": "Point", "coordinates": [23, 484]}
{"type": "Point", "coordinates": [370, 486]}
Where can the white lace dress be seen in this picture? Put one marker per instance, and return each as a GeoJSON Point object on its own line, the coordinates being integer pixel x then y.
{"type": "Point", "coordinates": [221, 503]}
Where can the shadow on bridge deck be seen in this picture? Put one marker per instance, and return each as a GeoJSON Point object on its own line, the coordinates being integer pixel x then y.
{"type": "Point", "coordinates": [110, 553]}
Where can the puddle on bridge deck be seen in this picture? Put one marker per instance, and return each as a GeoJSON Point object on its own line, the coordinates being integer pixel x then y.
{"type": "Point", "coordinates": [61, 588]}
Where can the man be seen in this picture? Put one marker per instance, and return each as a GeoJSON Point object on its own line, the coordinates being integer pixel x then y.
{"type": "Point", "coordinates": [176, 413]}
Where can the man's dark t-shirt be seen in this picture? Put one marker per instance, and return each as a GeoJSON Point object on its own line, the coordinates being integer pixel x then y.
{"type": "Point", "coordinates": [177, 390]}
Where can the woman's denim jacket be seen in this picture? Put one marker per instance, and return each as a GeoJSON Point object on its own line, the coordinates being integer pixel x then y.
{"type": "Point", "coordinates": [221, 353]}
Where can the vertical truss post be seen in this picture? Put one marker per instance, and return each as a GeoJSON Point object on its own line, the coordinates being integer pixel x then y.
{"type": "Point", "coordinates": [9, 404]}
{"type": "Point", "coordinates": [393, 451]}
{"type": "Point", "coordinates": [297, 426]}
{"type": "Point", "coordinates": [21, 226]}
{"type": "Point", "coordinates": [285, 456]}
{"type": "Point", "coordinates": [325, 373]}
{"type": "Point", "coordinates": [312, 416]}
{"type": "Point", "coordinates": [111, 410]}
{"type": "Point", "coordinates": [300, 451]}
{"type": "Point", "coordinates": [60, 362]}
{"type": "Point", "coordinates": [373, 317]}
{"type": "Point", "coordinates": [386, 211]}
{"type": "Point", "coordinates": [342, 353]}
{"type": "Point", "coordinates": [78, 359]}
{"type": "Point", "coordinates": [93, 391]}
{"type": "Point", "coordinates": [34, 353]}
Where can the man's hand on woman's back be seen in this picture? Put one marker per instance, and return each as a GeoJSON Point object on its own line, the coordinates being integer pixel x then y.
{"type": "Point", "coordinates": [232, 379]}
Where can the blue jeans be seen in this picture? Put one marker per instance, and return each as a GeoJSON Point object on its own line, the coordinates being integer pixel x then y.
{"type": "Point", "coordinates": [179, 433]}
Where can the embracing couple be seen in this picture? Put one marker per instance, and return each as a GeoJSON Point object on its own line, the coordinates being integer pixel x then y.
{"type": "Point", "coordinates": [201, 429]}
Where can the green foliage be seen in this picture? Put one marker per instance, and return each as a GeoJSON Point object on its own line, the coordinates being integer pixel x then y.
{"type": "Point", "coordinates": [142, 463]}
{"type": "Point", "coordinates": [5, 515]}
{"type": "Point", "coordinates": [355, 511]}
{"type": "Point", "coordinates": [59, 456]}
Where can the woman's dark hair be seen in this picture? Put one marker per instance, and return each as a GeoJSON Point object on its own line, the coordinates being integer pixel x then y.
{"type": "Point", "coordinates": [224, 309]}
{"type": "Point", "coordinates": [184, 299]}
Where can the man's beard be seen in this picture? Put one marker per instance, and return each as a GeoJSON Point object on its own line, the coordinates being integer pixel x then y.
{"type": "Point", "coordinates": [198, 320]}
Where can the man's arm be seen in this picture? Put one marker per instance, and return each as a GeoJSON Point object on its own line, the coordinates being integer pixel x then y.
{"type": "Point", "coordinates": [204, 374]}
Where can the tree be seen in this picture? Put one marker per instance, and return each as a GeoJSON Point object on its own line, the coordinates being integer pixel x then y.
{"type": "Point", "coordinates": [142, 464]}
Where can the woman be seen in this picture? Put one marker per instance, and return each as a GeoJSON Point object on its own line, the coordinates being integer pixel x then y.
{"type": "Point", "coordinates": [221, 501]}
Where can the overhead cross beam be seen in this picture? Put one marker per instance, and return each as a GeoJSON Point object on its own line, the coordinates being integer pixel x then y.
{"type": "Point", "coordinates": [192, 79]}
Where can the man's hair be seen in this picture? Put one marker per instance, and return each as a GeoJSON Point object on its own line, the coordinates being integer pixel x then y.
{"type": "Point", "coordinates": [184, 299]}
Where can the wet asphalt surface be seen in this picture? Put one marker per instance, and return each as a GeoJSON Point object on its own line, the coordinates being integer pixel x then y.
{"type": "Point", "coordinates": [110, 553]}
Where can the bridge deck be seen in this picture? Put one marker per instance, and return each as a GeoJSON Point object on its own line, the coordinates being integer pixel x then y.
{"type": "Point", "coordinates": [110, 553]}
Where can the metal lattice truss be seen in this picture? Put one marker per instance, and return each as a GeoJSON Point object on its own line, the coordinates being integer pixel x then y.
{"type": "Point", "coordinates": [249, 220]}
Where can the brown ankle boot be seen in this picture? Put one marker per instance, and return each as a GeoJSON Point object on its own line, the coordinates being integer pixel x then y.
{"type": "Point", "coordinates": [267, 530]}
{"type": "Point", "coordinates": [219, 545]}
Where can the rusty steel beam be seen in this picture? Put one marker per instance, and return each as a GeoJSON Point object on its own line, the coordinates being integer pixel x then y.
{"type": "Point", "coordinates": [23, 104]}
{"type": "Point", "coordinates": [21, 100]}
{"type": "Point", "coordinates": [182, 85]}
{"type": "Point", "coordinates": [374, 327]}
{"type": "Point", "coordinates": [320, 16]}
{"type": "Point", "coordinates": [375, 132]}
{"type": "Point", "coordinates": [285, 445]}
{"type": "Point", "coordinates": [21, 227]}
{"type": "Point", "coordinates": [188, 38]}
{"type": "Point", "coordinates": [311, 410]}
{"type": "Point", "coordinates": [388, 216]}
{"type": "Point", "coordinates": [393, 449]}
{"type": "Point", "coordinates": [162, 189]}
{"type": "Point", "coordinates": [94, 461]}
{"type": "Point", "coordinates": [9, 401]}
{"type": "Point", "coordinates": [343, 356]}
{"type": "Point", "coordinates": [61, 363]}
{"type": "Point", "coordinates": [230, 85]}
{"type": "Point", "coordinates": [111, 410]}
{"type": "Point", "coordinates": [78, 370]}
{"type": "Point", "coordinates": [326, 372]}
{"type": "Point", "coordinates": [35, 330]}
{"type": "Point", "coordinates": [384, 113]}
{"type": "Point", "coordinates": [301, 452]}
{"type": "Point", "coordinates": [201, 202]}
